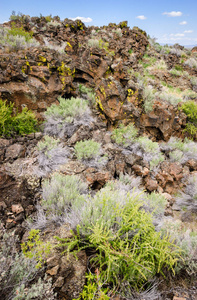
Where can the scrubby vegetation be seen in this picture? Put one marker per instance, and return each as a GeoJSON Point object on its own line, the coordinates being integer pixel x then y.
{"type": "Point", "coordinates": [63, 119]}
{"type": "Point", "coordinates": [117, 227]}
{"type": "Point", "coordinates": [190, 109]}
{"type": "Point", "coordinates": [124, 135]}
{"type": "Point", "coordinates": [19, 123]}
{"type": "Point", "coordinates": [51, 154]}
{"type": "Point", "coordinates": [16, 38]}
{"type": "Point", "coordinates": [19, 274]}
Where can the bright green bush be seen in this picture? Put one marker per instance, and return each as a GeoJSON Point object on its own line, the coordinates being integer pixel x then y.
{"type": "Point", "coordinates": [190, 109]}
{"type": "Point", "coordinates": [127, 248]}
{"type": "Point", "coordinates": [5, 118]}
{"type": "Point", "coordinates": [35, 248]}
{"type": "Point", "coordinates": [94, 289]}
{"type": "Point", "coordinates": [20, 123]}
{"type": "Point", "coordinates": [21, 32]}
{"type": "Point", "coordinates": [16, 38]}
{"type": "Point", "coordinates": [24, 122]}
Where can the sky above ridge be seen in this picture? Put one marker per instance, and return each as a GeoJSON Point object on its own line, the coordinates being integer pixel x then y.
{"type": "Point", "coordinates": [169, 21]}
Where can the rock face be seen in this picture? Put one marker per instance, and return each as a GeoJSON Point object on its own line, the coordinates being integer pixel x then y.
{"type": "Point", "coordinates": [19, 185]}
{"type": "Point", "coordinates": [102, 58]}
{"type": "Point", "coordinates": [36, 78]}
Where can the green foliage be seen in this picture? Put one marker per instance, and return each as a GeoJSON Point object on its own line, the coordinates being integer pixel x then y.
{"type": "Point", "coordinates": [191, 129]}
{"type": "Point", "coordinates": [178, 68]}
{"type": "Point", "coordinates": [16, 38]}
{"type": "Point", "coordinates": [124, 134]}
{"type": "Point", "coordinates": [35, 248]}
{"type": "Point", "coordinates": [148, 61]}
{"type": "Point", "coordinates": [21, 32]}
{"type": "Point", "coordinates": [17, 272]}
{"type": "Point", "coordinates": [20, 123]}
{"type": "Point", "coordinates": [60, 192]}
{"type": "Point", "coordinates": [189, 94]}
{"type": "Point", "coordinates": [127, 136]}
{"type": "Point", "coordinates": [5, 118]}
{"type": "Point", "coordinates": [127, 246]}
{"type": "Point", "coordinates": [193, 81]}
{"type": "Point", "coordinates": [160, 65]}
{"type": "Point", "coordinates": [176, 72]}
{"type": "Point", "coordinates": [148, 145]}
{"type": "Point", "coordinates": [87, 149]}
{"type": "Point", "coordinates": [68, 109]}
{"type": "Point", "coordinates": [190, 109]}
{"type": "Point", "coordinates": [19, 16]}
{"type": "Point", "coordinates": [48, 18]}
{"type": "Point", "coordinates": [93, 289]}
{"type": "Point", "coordinates": [24, 122]}
{"type": "Point", "coordinates": [185, 146]}
{"type": "Point", "coordinates": [100, 44]}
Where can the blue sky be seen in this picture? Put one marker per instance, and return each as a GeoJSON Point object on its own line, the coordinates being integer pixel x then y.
{"type": "Point", "coordinates": [170, 21]}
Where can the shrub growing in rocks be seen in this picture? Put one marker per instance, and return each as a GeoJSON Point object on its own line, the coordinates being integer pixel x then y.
{"type": "Point", "coordinates": [63, 119]}
{"type": "Point", "coordinates": [125, 240]}
{"type": "Point", "coordinates": [62, 191]}
{"type": "Point", "coordinates": [19, 275]}
{"type": "Point", "coordinates": [90, 153]}
{"type": "Point", "coordinates": [51, 155]}
{"type": "Point", "coordinates": [186, 239]}
{"type": "Point", "coordinates": [16, 39]}
{"type": "Point", "coordinates": [180, 151]}
{"type": "Point", "coordinates": [19, 123]}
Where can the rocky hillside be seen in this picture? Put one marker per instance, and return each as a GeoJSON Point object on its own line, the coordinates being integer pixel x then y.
{"type": "Point", "coordinates": [111, 170]}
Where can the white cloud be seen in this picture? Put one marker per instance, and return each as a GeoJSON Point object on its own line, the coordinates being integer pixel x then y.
{"type": "Point", "coordinates": [173, 14]}
{"type": "Point", "coordinates": [174, 38]}
{"type": "Point", "coordinates": [177, 34]}
{"type": "Point", "coordinates": [142, 17]}
{"type": "Point", "coordinates": [183, 23]}
{"type": "Point", "coordinates": [188, 31]}
{"type": "Point", "coordinates": [83, 19]}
